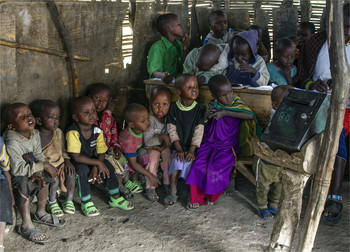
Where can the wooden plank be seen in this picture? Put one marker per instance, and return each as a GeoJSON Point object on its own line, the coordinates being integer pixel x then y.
{"type": "Point", "coordinates": [245, 172]}
{"type": "Point", "coordinates": [259, 101]}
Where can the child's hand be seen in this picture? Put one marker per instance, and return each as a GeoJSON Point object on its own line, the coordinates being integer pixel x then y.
{"type": "Point", "coordinates": [38, 176]}
{"type": "Point", "coordinates": [189, 156]}
{"type": "Point", "coordinates": [185, 42]}
{"type": "Point", "coordinates": [69, 168]}
{"type": "Point", "coordinates": [154, 180]}
{"type": "Point", "coordinates": [94, 177]}
{"type": "Point", "coordinates": [246, 68]}
{"type": "Point", "coordinates": [216, 114]}
{"type": "Point", "coordinates": [164, 139]}
{"type": "Point", "coordinates": [166, 78]}
{"type": "Point", "coordinates": [111, 106]}
{"type": "Point", "coordinates": [319, 85]}
{"type": "Point", "coordinates": [102, 170]}
{"type": "Point", "coordinates": [287, 73]}
{"type": "Point", "coordinates": [50, 169]}
{"type": "Point", "coordinates": [200, 80]}
{"type": "Point", "coordinates": [117, 152]}
{"type": "Point", "coordinates": [180, 156]}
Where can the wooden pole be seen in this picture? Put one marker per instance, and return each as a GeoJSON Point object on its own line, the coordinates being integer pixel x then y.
{"type": "Point", "coordinates": [67, 42]}
{"type": "Point", "coordinates": [40, 50]}
{"type": "Point", "coordinates": [340, 79]}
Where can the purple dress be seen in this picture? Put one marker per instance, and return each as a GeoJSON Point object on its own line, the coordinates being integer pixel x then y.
{"type": "Point", "coordinates": [216, 156]}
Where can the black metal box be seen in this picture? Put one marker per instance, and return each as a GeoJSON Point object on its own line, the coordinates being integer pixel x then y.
{"type": "Point", "coordinates": [300, 116]}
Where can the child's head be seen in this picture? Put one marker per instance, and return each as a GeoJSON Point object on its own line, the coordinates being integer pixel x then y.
{"type": "Point", "coordinates": [218, 23]}
{"type": "Point", "coordinates": [84, 111]}
{"type": "Point", "coordinates": [285, 52]}
{"type": "Point", "coordinates": [187, 87]}
{"type": "Point", "coordinates": [47, 114]}
{"type": "Point", "coordinates": [304, 32]}
{"type": "Point", "coordinates": [169, 25]}
{"type": "Point", "coordinates": [136, 117]}
{"type": "Point", "coordinates": [160, 99]}
{"type": "Point", "coordinates": [258, 29]}
{"type": "Point", "coordinates": [208, 56]}
{"type": "Point", "coordinates": [19, 117]}
{"type": "Point", "coordinates": [241, 50]}
{"type": "Point", "coordinates": [101, 95]}
{"type": "Point", "coordinates": [277, 95]}
{"type": "Point", "coordinates": [221, 89]}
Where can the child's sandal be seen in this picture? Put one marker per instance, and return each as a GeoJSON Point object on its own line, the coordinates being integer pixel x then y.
{"type": "Point", "coordinates": [134, 188]}
{"type": "Point", "coordinates": [68, 207]}
{"type": "Point", "coordinates": [121, 203]}
{"type": "Point", "coordinates": [89, 209]}
{"type": "Point", "coordinates": [55, 209]}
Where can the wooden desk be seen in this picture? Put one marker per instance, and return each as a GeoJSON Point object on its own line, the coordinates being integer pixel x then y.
{"type": "Point", "coordinates": [259, 101]}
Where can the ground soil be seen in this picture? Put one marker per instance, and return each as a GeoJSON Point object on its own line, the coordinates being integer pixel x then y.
{"type": "Point", "coordinates": [231, 224]}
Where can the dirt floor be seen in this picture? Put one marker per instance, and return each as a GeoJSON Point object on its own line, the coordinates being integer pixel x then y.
{"type": "Point", "coordinates": [231, 224]}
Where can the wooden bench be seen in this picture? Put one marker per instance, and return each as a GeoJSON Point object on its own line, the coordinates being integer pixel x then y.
{"type": "Point", "coordinates": [242, 168]}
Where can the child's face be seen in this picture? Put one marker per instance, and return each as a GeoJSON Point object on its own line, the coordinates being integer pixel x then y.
{"type": "Point", "coordinates": [286, 58]}
{"type": "Point", "coordinates": [242, 52]}
{"type": "Point", "coordinates": [50, 119]}
{"type": "Point", "coordinates": [140, 122]}
{"type": "Point", "coordinates": [303, 35]}
{"type": "Point", "coordinates": [175, 28]}
{"type": "Point", "coordinates": [160, 105]}
{"type": "Point", "coordinates": [101, 99]}
{"type": "Point", "coordinates": [189, 90]}
{"type": "Point", "coordinates": [22, 120]}
{"type": "Point", "coordinates": [224, 94]}
{"type": "Point", "coordinates": [219, 25]}
{"type": "Point", "coordinates": [86, 113]}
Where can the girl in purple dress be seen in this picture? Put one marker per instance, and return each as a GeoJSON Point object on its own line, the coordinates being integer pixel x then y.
{"type": "Point", "coordinates": [210, 173]}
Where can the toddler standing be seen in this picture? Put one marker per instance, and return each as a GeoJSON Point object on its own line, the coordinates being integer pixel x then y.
{"type": "Point", "coordinates": [101, 96]}
{"type": "Point", "coordinates": [157, 139]}
{"type": "Point", "coordinates": [282, 71]}
{"type": "Point", "coordinates": [87, 148]}
{"type": "Point", "coordinates": [210, 172]}
{"type": "Point", "coordinates": [47, 115]}
{"type": "Point", "coordinates": [185, 127]}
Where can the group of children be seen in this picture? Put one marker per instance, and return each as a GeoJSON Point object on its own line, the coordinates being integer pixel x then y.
{"type": "Point", "coordinates": [188, 140]}
{"type": "Point", "coordinates": [241, 56]}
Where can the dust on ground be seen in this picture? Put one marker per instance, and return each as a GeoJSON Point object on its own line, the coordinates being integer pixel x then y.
{"type": "Point", "coordinates": [231, 224]}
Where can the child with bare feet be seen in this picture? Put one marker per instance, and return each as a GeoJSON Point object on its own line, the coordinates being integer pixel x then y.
{"type": "Point", "coordinates": [207, 61]}
{"type": "Point", "coordinates": [87, 148]}
{"type": "Point", "coordinates": [185, 126]}
{"type": "Point", "coordinates": [282, 71]}
{"type": "Point", "coordinates": [101, 96]}
{"type": "Point", "coordinates": [268, 185]}
{"type": "Point", "coordinates": [31, 174]}
{"type": "Point", "coordinates": [131, 140]}
{"type": "Point", "coordinates": [245, 66]}
{"type": "Point", "coordinates": [157, 139]}
{"type": "Point", "coordinates": [47, 115]}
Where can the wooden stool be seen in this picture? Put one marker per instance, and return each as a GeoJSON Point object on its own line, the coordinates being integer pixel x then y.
{"type": "Point", "coordinates": [242, 168]}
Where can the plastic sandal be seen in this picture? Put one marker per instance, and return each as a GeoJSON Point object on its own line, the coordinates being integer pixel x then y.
{"type": "Point", "coordinates": [125, 192]}
{"type": "Point", "coordinates": [139, 186]}
{"type": "Point", "coordinates": [338, 206]}
{"type": "Point", "coordinates": [49, 220]}
{"type": "Point", "coordinates": [151, 195]}
{"type": "Point", "coordinates": [273, 210]}
{"type": "Point", "coordinates": [133, 187]}
{"type": "Point", "coordinates": [68, 207]}
{"type": "Point", "coordinates": [170, 200]}
{"type": "Point", "coordinates": [89, 209]}
{"type": "Point", "coordinates": [31, 234]}
{"type": "Point", "coordinates": [54, 209]}
{"type": "Point", "coordinates": [121, 203]}
{"type": "Point", "coordinates": [264, 213]}
{"type": "Point", "coordinates": [192, 206]}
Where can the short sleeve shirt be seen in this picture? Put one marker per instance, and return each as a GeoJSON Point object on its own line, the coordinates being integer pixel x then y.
{"type": "Point", "coordinates": [165, 57]}
{"type": "Point", "coordinates": [130, 142]}
{"type": "Point", "coordinates": [76, 143]}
